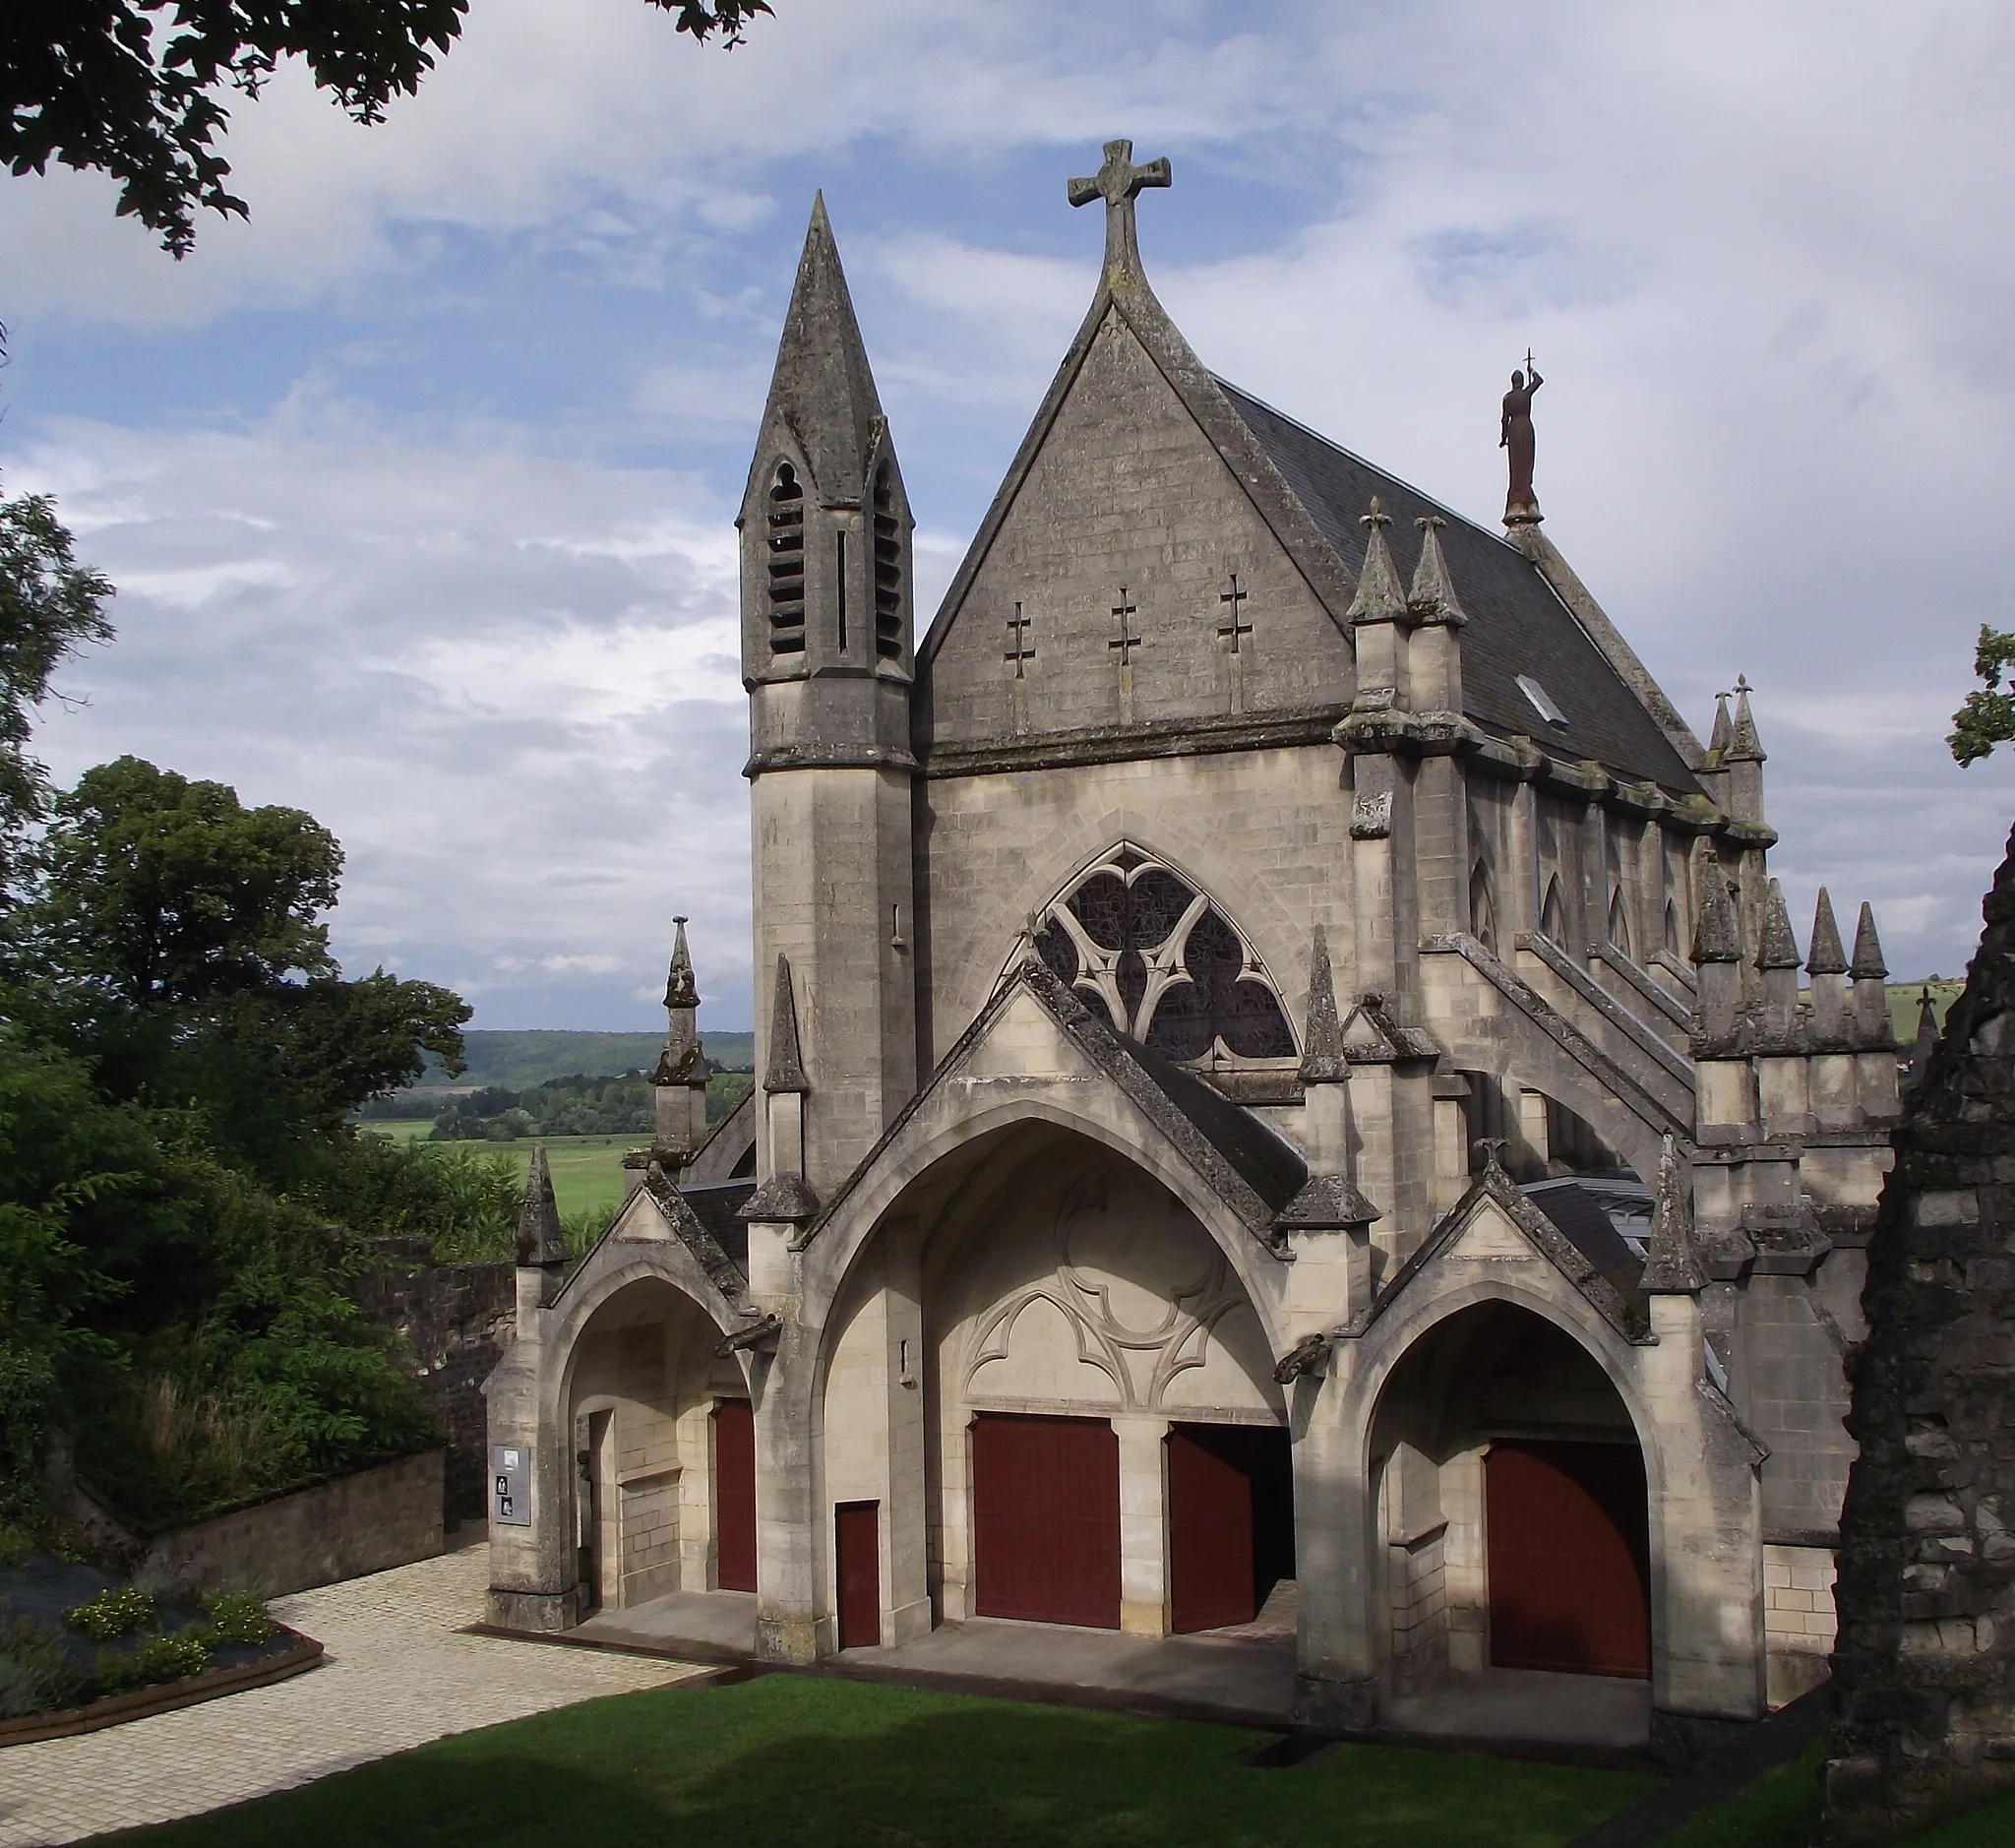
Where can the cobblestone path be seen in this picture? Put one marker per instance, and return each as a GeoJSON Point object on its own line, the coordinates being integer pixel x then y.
{"type": "Point", "coordinates": [396, 1675]}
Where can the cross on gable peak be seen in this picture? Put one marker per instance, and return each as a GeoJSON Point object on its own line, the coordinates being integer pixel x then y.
{"type": "Point", "coordinates": [1119, 182]}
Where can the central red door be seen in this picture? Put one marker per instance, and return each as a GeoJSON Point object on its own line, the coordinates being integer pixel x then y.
{"type": "Point", "coordinates": [857, 1543]}
{"type": "Point", "coordinates": [734, 1495]}
{"type": "Point", "coordinates": [1046, 1519]}
{"type": "Point", "coordinates": [1568, 1552]}
{"type": "Point", "coordinates": [1212, 1578]}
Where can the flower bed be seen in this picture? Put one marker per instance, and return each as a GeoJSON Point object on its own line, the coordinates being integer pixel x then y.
{"type": "Point", "coordinates": [80, 1649]}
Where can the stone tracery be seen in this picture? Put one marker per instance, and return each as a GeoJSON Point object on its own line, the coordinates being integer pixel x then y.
{"type": "Point", "coordinates": [1168, 967]}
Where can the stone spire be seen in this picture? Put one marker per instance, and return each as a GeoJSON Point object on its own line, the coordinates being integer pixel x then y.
{"type": "Point", "coordinates": [1744, 746]}
{"type": "Point", "coordinates": [1717, 937]}
{"type": "Point", "coordinates": [1779, 949]}
{"type": "Point", "coordinates": [680, 991]}
{"type": "Point", "coordinates": [1379, 598]}
{"type": "Point", "coordinates": [1322, 1057]}
{"type": "Point", "coordinates": [1927, 1039]}
{"type": "Point", "coordinates": [1867, 964]}
{"type": "Point", "coordinates": [822, 389]}
{"type": "Point", "coordinates": [1433, 599]}
{"type": "Point", "coordinates": [540, 1241]}
{"type": "Point", "coordinates": [784, 1069]}
{"type": "Point", "coordinates": [1723, 734]}
{"type": "Point", "coordinates": [1827, 956]}
{"type": "Point", "coordinates": [1672, 1265]}
{"type": "Point", "coordinates": [1870, 995]}
{"type": "Point", "coordinates": [680, 1082]}
{"type": "Point", "coordinates": [1717, 958]}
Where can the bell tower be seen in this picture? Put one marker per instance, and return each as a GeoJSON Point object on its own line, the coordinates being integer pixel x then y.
{"type": "Point", "coordinates": [827, 656]}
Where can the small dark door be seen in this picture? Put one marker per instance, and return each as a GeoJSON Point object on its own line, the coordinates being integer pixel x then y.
{"type": "Point", "coordinates": [734, 1495]}
{"type": "Point", "coordinates": [857, 1544]}
{"type": "Point", "coordinates": [1046, 1519]}
{"type": "Point", "coordinates": [1568, 1553]}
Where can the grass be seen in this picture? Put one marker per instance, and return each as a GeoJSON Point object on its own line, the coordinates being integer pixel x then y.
{"type": "Point", "coordinates": [586, 1170]}
{"type": "Point", "coordinates": [838, 1764]}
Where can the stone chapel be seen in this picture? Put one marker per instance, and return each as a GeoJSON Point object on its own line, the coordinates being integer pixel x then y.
{"type": "Point", "coordinates": [1192, 976]}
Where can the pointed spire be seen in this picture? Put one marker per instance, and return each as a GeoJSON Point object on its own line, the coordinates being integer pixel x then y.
{"type": "Point", "coordinates": [1379, 598]}
{"type": "Point", "coordinates": [1723, 734]}
{"type": "Point", "coordinates": [1744, 745]}
{"type": "Point", "coordinates": [1827, 957]}
{"type": "Point", "coordinates": [1716, 936]}
{"type": "Point", "coordinates": [822, 387]}
{"type": "Point", "coordinates": [1867, 964]}
{"type": "Point", "coordinates": [679, 989]}
{"type": "Point", "coordinates": [1433, 599]}
{"type": "Point", "coordinates": [539, 1238]}
{"type": "Point", "coordinates": [1671, 1263]}
{"type": "Point", "coordinates": [1322, 1055]}
{"type": "Point", "coordinates": [786, 1067]}
{"type": "Point", "coordinates": [1927, 1041]}
{"type": "Point", "coordinates": [1779, 949]}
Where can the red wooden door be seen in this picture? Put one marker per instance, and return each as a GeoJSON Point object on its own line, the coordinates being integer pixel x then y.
{"type": "Point", "coordinates": [1210, 1530]}
{"type": "Point", "coordinates": [734, 1495]}
{"type": "Point", "coordinates": [857, 1544]}
{"type": "Point", "coordinates": [1568, 1553]}
{"type": "Point", "coordinates": [1046, 1519]}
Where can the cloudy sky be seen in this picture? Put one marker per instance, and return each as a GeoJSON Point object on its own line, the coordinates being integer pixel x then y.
{"type": "Point", "coordinates": [417, 487]}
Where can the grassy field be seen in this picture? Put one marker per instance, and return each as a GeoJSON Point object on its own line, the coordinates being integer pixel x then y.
{"type": "Point", "coordinates": [587, 1170]}
{"type": "Point", "coordinates": [842, 1764]}
{"type": "Point", "coordinates": [837, 1764]}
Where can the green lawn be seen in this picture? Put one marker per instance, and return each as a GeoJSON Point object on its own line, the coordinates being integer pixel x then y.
{"type": "Point", "coordinates": [815, 1764]}
{"type": "Point", "coordinates": [587, 1170]}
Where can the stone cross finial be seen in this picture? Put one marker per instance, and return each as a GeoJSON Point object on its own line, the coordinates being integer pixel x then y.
{"type": "Point", "coordinates": [1119, 182]}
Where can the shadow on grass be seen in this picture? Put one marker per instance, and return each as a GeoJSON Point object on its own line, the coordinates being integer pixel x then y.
{"type": "Point", "coordinates": [838, 1764]}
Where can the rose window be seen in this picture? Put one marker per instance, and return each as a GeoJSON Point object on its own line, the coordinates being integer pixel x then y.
{"type": "Point", "coordinates": [1170, 969]}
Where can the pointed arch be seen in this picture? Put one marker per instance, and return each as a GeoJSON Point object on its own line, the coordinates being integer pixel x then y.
{"type": "Point", "coordinates": [1483, 906]}
{"type": "Point", "coordinates": [1619, 921]}
{"type": "Point", "coordinates": [1552, 914]}
{"type": "Point", "coordinates": [1673, 937]}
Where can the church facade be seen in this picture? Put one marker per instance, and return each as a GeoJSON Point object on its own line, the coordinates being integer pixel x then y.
{"type": "Point", "coordinates": [1216, 992]}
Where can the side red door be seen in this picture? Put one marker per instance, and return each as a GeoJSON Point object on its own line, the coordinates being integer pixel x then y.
{"type": "Point", "coordinates": [734, 1495]}
{"type": "Point", "coordinates": [1210, 1530]}
{"type": "Point", "coordinates": [1046, 1519]}
{"type": "Point", "coordinates": [857, 1544]}
{"type": "Point", "coordinates": [1567, 1548]}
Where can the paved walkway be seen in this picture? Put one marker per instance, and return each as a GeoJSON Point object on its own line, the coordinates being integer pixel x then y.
{"type": "Point", "coordinates": [396, 1675]}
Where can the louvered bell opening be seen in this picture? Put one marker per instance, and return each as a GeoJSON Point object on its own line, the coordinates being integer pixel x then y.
{"type": "Point", "coordinates": [887, 575]}
{"type": "Point", "coordinates": [788, 564]}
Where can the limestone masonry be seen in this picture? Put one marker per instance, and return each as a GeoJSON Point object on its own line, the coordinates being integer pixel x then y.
{"type": "Point", "coordinates": [1280, 1059]}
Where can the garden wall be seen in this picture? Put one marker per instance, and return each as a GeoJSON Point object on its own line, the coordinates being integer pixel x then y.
{"type": "Point", "coordinates": [364, 1522]}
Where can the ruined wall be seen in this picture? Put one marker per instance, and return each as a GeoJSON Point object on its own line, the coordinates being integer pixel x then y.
{"type": "Point", "coordinates": [1925, 1665]}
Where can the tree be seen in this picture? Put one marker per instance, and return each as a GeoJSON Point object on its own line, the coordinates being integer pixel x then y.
{"type": "Point", "coordinates": [136, 89]}
{"type": "Point", "coordinates": [49, 606]}
{"type": "Point", "coordinates": [1987, 717]}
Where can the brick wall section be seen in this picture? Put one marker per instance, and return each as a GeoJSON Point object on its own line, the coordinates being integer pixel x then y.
{"type": "Point", "coordinates": [453, 1321]}
{"type": "Point", "coordinates": [1924, 1666]}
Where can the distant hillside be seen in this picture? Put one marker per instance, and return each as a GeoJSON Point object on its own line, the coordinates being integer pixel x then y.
{"type": "Point", "coordinates": [533, 1057]}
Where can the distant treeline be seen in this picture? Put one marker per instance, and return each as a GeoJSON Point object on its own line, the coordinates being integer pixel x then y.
{"type": "Point", "coordinates": [577, 1105]}
{"type": "Point", "coordinates": [519, 1060]}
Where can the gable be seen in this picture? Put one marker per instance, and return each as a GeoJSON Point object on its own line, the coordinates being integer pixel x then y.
{"type": "Point", "coordinates": [1126, 499]}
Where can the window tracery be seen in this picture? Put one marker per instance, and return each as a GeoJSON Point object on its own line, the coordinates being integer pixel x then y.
{"type": "Point", "coordinates": [1168, 967]}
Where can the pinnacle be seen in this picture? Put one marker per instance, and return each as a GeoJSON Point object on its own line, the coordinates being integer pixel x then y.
{"type": "Point", "coordinates": [1867, 964]}
{"type": "Point", "coordinates": [539, 1238]}
{"type": "Point", "coordinates": [1827, 957]}
{"type": "Point", "coordinates": [1716, 937]}
{"type": "Point", "coordinates": [823, 389]}
{"type": "Point", "coordinates": [1671, 1263]}
{"type": "Point", "coordinates": [1723, 734]}
{"type": "Point", "coordinates": [786, 1069]}
{"type": "Point", "coordinates": [1322, 1055]}
{"type": "Point", "coordinates": [1779, 949]}
{"type": "Point", "coordinates": [1433, 599]}
{"type": "Point", "coordinates": [1745, 745]}
{"type": "Point", "coordinates": [679, 989]}
{"type": "Point", "coordinates": [1379, 598]}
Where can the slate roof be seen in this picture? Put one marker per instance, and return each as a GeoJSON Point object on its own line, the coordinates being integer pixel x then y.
{"type": "Point", "coordinates": [716, 1207]}
{"type": "Point", "coordinates": [1516, 624]}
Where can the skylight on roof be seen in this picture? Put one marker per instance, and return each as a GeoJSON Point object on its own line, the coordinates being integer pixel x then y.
{"type": "Point", "coordinates": [1542, 701]}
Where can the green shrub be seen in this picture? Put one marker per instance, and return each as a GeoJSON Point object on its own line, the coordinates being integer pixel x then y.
{"type": "Point", "coordinates": [233, 1617]}
{"type": "Point", "coordinates": [16, 1544]}
{"type": "Point", "coordinates": [114, 1611]}
{"type": "Point", "coordinates": [158, 1659]}
{"type": "Point", "coordinates": [35, 1674]}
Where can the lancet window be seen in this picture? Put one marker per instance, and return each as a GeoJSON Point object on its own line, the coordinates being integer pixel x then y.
{"type": "Point", "coordinates": [1483, 908]}
{"type": "Point", "coordinates": [787, 563]}
{"type": "Point", "coordinates": [1169, 968]}
{"type": "Point", "coordinates": [887, 570]}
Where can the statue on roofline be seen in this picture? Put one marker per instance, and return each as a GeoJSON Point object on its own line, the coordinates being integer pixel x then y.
{"type": "Point", "coordinates": [1516, 439]}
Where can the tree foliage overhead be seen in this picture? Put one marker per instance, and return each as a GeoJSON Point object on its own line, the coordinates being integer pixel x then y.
{"type": "Point", "coordinates": [1987, 717]}
{"type": "Point", "coordinates": [136, 89]}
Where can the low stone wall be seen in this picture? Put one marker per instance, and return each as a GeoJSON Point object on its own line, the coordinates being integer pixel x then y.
{"type": "Point", "coordinates": [453, 1321]}
{"type": "Point", "coordinates": [364, 1522]}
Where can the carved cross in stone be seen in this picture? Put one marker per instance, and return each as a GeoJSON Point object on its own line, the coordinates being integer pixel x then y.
{"type": "Point", "coordinates": [1125, 641]}
{"type": "Point", "coordinates": [1119, 182]}
{"type": "Point", "coordinates": [1234, 625]}
{"type": "Point", "coordinates": [1018, 648]}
